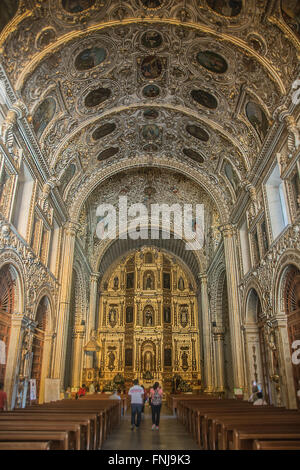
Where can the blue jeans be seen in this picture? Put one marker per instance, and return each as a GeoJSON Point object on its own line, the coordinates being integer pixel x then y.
{"type": "Point", "coordinates": [136, 410]}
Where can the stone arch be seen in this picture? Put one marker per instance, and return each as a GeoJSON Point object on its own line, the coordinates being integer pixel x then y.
{"type": "Point", "coordinates": [50, 321]}
{"type": "Point", "coordinates": [196, 175]}
{"type": "Point", "coordinates": [257, 352]}
{"type": "Point", "coordinates": [42, 344]}
{"type": "Point", "coordinates": [290, 374]}
{"type": "Point", "coordinates": [252, 302]}
{"type": "Point", "coordinates": [288, 259]}
{"type": "Point", "coordinates": [55, 46]}
{"type": "Point", "coordinates": [216, 281]}
{"type": "Point", "coordinates": [10, 258]}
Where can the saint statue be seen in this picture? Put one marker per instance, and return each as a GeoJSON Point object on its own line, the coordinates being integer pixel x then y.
{"type": "Point", "coordinates": [148, 361]}
{"type": "Point", "coordinates": [149, 319]}
{"type": "Point", "coordinates": [111, 361]}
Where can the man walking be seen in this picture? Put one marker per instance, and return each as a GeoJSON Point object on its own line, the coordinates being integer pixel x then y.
{"type": "Point", "coordinates": [137, 401]}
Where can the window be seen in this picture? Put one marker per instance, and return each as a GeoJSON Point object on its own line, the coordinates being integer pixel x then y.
{"type": "Point", "coordinates": [276, 202]}
{"type": "Point", "coordinates": [245, 247]}
{"type": "Point", "coordinates": [23, 200]}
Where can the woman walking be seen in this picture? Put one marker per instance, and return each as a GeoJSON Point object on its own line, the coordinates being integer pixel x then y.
{"type": "Point", "coordinates": [156, 394]}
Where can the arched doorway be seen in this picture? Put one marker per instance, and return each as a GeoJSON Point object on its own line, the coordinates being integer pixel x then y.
{"type": "Point", "coordinates": [292, 310]}
{"type": "Point", "coordinates": [38, 342]}
{"type": "Point", "coordinates": [257, 355]}
{"type": "Point", "coordinates": [7, 298]}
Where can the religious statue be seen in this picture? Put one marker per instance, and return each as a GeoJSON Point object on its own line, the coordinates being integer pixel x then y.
{"type": "Point", "coordinates": [116, 283]}
{"type": "Point", "coordinates": [148, 361]}
{"type": "Point", "coordinates": [184, 317]}
{"type": "Point", "coordinates": [112, 316]}
{"type": "Point", "coordinates": [181, 284]}
{"type": "Point", "coordinates": [149, 319]}
{"type": "Point", "coordinates": [184, 361]}
{"type": "Point", "coordinates": [148, 282]}
{"type": "Point", "coordinates": [111, 361]}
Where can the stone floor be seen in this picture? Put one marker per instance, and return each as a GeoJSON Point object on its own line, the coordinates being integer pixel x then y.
{"type": "Point", "coordinates": [171, 435]}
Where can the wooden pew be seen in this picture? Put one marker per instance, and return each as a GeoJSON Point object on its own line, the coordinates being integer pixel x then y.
{"type": "Point", "coordinates": [59, 440]}
{"type": "Point", "coordinates": [244, 438]}
{"type": "Point", "coordinates": [88, 421]}
{"type": "Point", "coordinates": [25, 445]}
{"type": "Point", "coordinates": [276, 445]}
{"type": "Point", "coordinates": [256, 422]}
{"type": "Point", "coordinates": [95, 419]}
{"type": "Point", "coordinates": [20, 426]}
{"type": "Point", "coordinates": [82, 438]}
{"type": "Point", "coordinates": [111, 411]}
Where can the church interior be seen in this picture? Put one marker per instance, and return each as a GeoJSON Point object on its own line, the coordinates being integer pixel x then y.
{"type": "Point", "coordinates": [160, 102]}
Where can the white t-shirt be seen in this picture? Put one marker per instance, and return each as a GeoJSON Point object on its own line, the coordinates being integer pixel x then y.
{"type": "Point", "coordinates": [137, 395]}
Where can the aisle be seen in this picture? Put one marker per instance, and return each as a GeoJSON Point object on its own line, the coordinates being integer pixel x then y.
{"type": "Point", "coordinates": [171, 435]}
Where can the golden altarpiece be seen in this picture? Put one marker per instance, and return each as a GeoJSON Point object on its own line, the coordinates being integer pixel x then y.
{"type": "Point", "coordinates": [148, 322]}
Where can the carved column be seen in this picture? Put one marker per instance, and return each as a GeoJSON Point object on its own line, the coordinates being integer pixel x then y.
{"type": "Point", "coordinates": [207, 339]}
{"type": "Point", "coordinates": [194, 362]}
{"type": "Point", "coordinates": [64, 303]}
{"type": "Point", "coordinates": [218, 335]}
{"type": "Point", "coordinates": [286, 387]}
{"type": "Point", "coordinates": [92, 314]}
{"type": "Point", "coordinates": [46, 364]}
{"type": "Point", "coordinates": [230, 248]}
{"type": "Point", "coordinates": [104, 313]}
{"type": "Point", "coordinates": [252, 349]}
{"type": "Point", "coordinates": [159, 315]}
{"type": "Point", "coordinates": [93, 303]}
{"type": "Point", "coordinates": [18, 324]}
{"type": "Point", "coordinates": [78, 341]}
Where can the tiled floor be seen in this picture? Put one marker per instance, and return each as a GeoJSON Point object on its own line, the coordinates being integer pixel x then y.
{"type": "Point", "coordinates": [171, 435]}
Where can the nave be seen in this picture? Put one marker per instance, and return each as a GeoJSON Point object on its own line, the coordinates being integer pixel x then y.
{"type": "Point", "coordinates": [171, 434]}
{"type": "Point", "coordinates": [188, 422]}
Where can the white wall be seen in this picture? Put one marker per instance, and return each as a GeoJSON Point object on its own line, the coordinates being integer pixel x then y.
{"type": "Point", "coordinates": [276, 202]}
{"type": "Point", "coordinates": [23, 200]}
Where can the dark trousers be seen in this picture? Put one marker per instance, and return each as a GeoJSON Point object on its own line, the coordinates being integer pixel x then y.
{"type": "Point", "coordinates": [136, 411]}
{"type": "Point", "coordinates": [155, 414]}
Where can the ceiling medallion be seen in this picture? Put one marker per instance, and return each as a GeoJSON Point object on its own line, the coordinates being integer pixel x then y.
{"type": "Point", "coordinates": [151, 39]}
{"type": "Point", "coordinates": [152, 4]}
{"type": "Point", "coordinates": [226, 7]}
{"type": "Point", "coordinates": [77, 6]}
{"type": "Point", "coordinates": [212, 61]}
{"type": "Point", "coordinates": [150, 132]}
{"type": "Point", "coordinates": [95, 97]}
{"type": "Point", "coordinates": [193, 155]}
{"type": "Point", "coordinates": [151, 67]}
{"type": "Point", "coordinates": [204, 98]}
{"type": "Point", "coordinates": [151, 113]}
{"type": "Point", "coordinates": [107, 153]}
{"type": "Point", "coordinates": [197, 132]}
{"type": "Point", "coordinates": [151, 91]}
{"type": "Point", "coordinates": [90, 58]}
{"type": "Point", "coordinates": [104, 130]}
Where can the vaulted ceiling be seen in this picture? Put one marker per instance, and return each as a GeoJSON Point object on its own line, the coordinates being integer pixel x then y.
{"type": "Point", "coordinates": [189, 85]}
